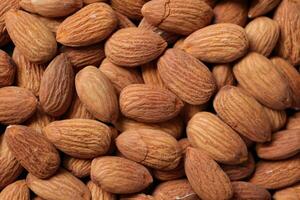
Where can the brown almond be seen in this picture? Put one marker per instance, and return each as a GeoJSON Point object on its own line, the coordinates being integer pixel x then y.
{"type": "Point", "coordinates": [136, 197]}
{"type": "Point", "coordinates": [176, 173]}
{"type": "Point", "coordinates": [124, 21]}
{"type": "Point", "coordinates": [277, 118]}
{"type": "Point", "coordinates": [261, 7]}
{"type": "Point", "coordinates": [292, 193]}
{"type": "Point", "coordinates": [51, 23]}
{"type": "Point", "coordinates": [151, 76]}
{"type": "Point", "coordinates": [7, 69]}
{"type": "Point", "coordinates": [246, 190]}
{"type": "Point", "coordinates": [78, 110]}
{"type": "Point", "coordinates": [223, 75]}
{"type": "Point", "coordinates": [189, 111]}
{"type": "Point", "coordinates": [294, 121]}
{"type": "Point", "coordinates": [129, 8]}
{"type": "Point", "coordinates": [16, 191]}
{"type": "Point", "coordinates": [78, 167]}
{"type": "Point", "coordinates": [97, 193]}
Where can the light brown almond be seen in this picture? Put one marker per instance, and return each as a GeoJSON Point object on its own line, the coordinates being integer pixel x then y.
{"type": "Point", "coordinates": [78, 110]}
{"type": "Point", "coordinates": [277, 118]}
{"type": "Point", "coordinates": [129, 8]}
{"type": "Point", "coordinates": [97, 193]}
{"type": "Point", "coordinates": [291, 193]}
{"type": "Point", "coordinates": [16, 191]}
{"type": "Point", "coordinates": [78, 167]}
{"type": "Point", "coordinates": [246, 190]}
{"type": "Point", "coordinates": [124, 21]}
{"type": "Point", "coordinates": [151, 76]}
{"type": "Point", "coordinates": [223, 75]}
{"type": "Point", "coordinates": [261, 7]}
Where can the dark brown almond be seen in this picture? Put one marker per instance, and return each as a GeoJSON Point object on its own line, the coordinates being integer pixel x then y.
{"type": "Point", "coordinates": [246, 190]}
{"type": "Point", "coordinates": [7, 69]}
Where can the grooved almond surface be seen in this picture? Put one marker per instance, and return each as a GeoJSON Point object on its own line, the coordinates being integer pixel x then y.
{"type": "Point", "coordinates": [34, 152]}
{"type": "Point", "coordinates": [237, 108]}
{"type": "Point", "coordinates": [246, 190]}
{"type": "Point", "coordinates": [218, 43]}
{"type": "Point", "coordinates": [186, 76]}
{"type": "Point", "coordinates": [90, 25]}
{"type": "Point", "coordinates": [124, 21]}
{"type": "Point", "coordinates": [152, 148]}
{"type": "Point", "coordinates": [78, 167]}
{"type": "Point", "coordinates": [209, 133]}
{"type": "Point", "coordinates": [97, 193]}
{"type": "Point", "coordinates": [150, 104]}
{"type": "Point", "coordinates": [261, 7]}
{"type": "Point", "coordinates": [78, 110]}
{"type": "Point", "coordinates": [258, 75]}
{"type": "Point", "coordinates": [151, 76]}
{"type": "Point", "coordinates": [292, 192]}
{"type": "Point", "coordinates": [7, 69]}
{"type": "Point", "coordinates": [131, 47]}
{"type": "Point", "coordinates": [277, 118]}
{"type": "Point", "coordinates": [223, 75]}
{"type": "Point", "coordinates": [206, 177]}
{"type": "Point", "coordinates": [119, 175]}
{"type": "Point", "coordinates": [16, 191]}
{"type": "Point", "coordinates": [57, 86]}
{"type": "Point", "coordinates": [129, 8]}
{"type": "Point", "coordinates": [24, 29]}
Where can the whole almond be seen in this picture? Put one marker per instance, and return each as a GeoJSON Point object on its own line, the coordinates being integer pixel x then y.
{"type": "Point", "coordinates": [78, 167]}
{"type": "Point", "coordinates": [7, 69]}
{"type": "Point", "coordinates": [277, 118]}
{"type": "Point", "coordinates": [35, 153]}
{"type": "Point", "coordinates": [263, 34]}
{"type": "Point", "coordinates": [231, 11]}
{"type": "Point", "coordinates": [124, 21]}
{"type": "Point", "coordinates": [237, 108]}
{"type": "Point", "coordinates": [186, 76]}
{"type": "Point", "coordinates": [209, 133]}
{"type": "Point", "coordinates": [150, 104]}
{"type": "Point", "coordinates": [57, 86]}
{"type": "Point", "coordinates": [206, 177]}
{"type": "Point", "coordinates": [246, 190]}
{"type": "Point", "coordinates": [24, 29]}
{"type": "Point", "coordinates": [284, 144]}
{"type": "Point", "coordinates": [260, 80]}
{"type": "Point", "coordinates": [223, 75]}
{"type": "Point", "coordinates": [129, 8]}
{"type": "Point", "coordinates": [83, 56]}
{"type": "Point", "coordinates": [292, 193]}
{"type": "Point", "coordinates": [151, 76]}
{"type": "Point", "coordinates": [29, 74]}
{"type": "Point", "coordinates": [10, 168]}
{"type": "Point", "coordinates": [120, 76]}
{"type": "Point", "coordinates": [152, 148]}
{"type": "Point", "coordinates": [167, 14]}
{"type": "Point", "coordinates": [119, 175]}
{"type": "Point", "coordinates": [78, 110]}
{"type": "Point", "coordinates": [79, 138]}
{"type": "Point", "coordinates": [277, 174]}
{"type": "Point", "coordinates": [130, 47]}
{"type": "Point", "coordinates": [261, 7]}
{"type": "Point", "coordinates": [97, 94]}
{"type": "Point", "coordinates": [16, 191]}
{"type": "Point", "coordinates": [98, 18]}
{"type": "Point", "coordinates": [288, 17]}
{"type": "Point", "coordinates": [69, 186]}
{"type": "Point", "coordinates": [208, 44]}
{"type": "Point", "coordinates": [177, 189]}
{"type": "Point", "coordinates": [294, 121]}
{"type": "Point", "coordinates": [97, 193]}
{"type": "Point", "coordinates": [16, 105]}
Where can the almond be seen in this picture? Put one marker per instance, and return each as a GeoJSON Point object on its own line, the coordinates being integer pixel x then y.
{"type": "Point", "coordinates": [78, 167]}
{"type": "Point", "coordinates": [51, 23]}
{"type": "Point", "coordinates": [207, 179]}
{"type": "Point", "coordinates": [277, 118]}
{"type": "Point", "coordinates": [177, 189]}
{"type": "Point", "coordinates": [57, 85]}
{"type": "Point", "coordinates": [97, 193]}
{"type": "Point", "coordinates": [263, 34]}
{"type": "Point", "coordinates": [7, 69]}
{"type": "Point", "coordinates": [288, 17]}
{"type": "Point", "coordinates": [167, 14]}
{"type": "Point", "coordinates": [152, 148]}
{"type": "Point", "coordinates": [151, 76]}
{"type": "Point", "coordinates": [97, 94]}
{"type": "Point", "coordinates": [209, 133]}
{"type": "Point", "coordinates": [129, 8]}
{"type": "Point", "coordinates": [208, 44]}
{"type": "Point", "coordinates": [16, 191]}
{"type": "Point", "coordinates": [119, 175]}
{"type": "Point", "coordinates": [176, 173]}
{"type": "Point", "coordinates": [150, 104]}
{"type": "Point", "coordinates": [292, 193]}
{"type": "Point", "coordinates": [284, 144]}
{"type": "Point", "coordinates": [78, 110]}
{"type": "Point", "coordinates": [245, 190]}
{"type": "Point", "coordinates": [231, 11]}
{"type": "Point", "coordinates": [136, 197]}
{"type": "Point", "coordinates": [63, 185]}
{"type": "Point", "coordinates": [294, 121]}
{"type": "Point", "coordinates": [277, 174]}
{"type": "Point", "coordinates": [237, 108]}
{"type": "Point", "coordinates": [32, 150]}
{"type": "Point", "coordinates": [260, 80]}
{"type": "Point", "coordinates": [189, 111]}
{"type": "Point", "coordinates": [98, 18]}
{"type": "Point", "coordinates": [261, 7]}
{"type": "Point", "coordinates": [131, 47]}
{"type": "Point", "coordinates": [223, 75]}
{"type": "Point", "coordinates": [120, 76]}
{"type": "Point", "coordinates": [124, 21]}
{"type": "Point", "coordinates": [186, 76]}
{"type": "Point", "coordinates": [92, 1]}
{"type": "Point", "coordinates": [16, 105]}
{"type": "Point", "coordinates": [24, 29]}
{"type": "Point", "coordinates": [79, 138]}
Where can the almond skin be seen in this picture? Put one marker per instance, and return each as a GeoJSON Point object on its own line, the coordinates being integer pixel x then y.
{"type": "Point", "coordinates": [208, 44]}
{"type": "Point", "coordinates": [35, 153]}
{"type": "Point", "coordinates": [57, 86]}
{"type": "Point", "coordinates": [186, 76]}
{"type": "Point", "coordinates": [136, 197]}
{"type": "Point", "coordinates": [207, 179]}
{"type": "Point", "coordinates": [246, 190]}
{"type": "Point", "coordinates": [277, 118]}
{"type": "Point", "coordinates": [150, 104]}
{"type": "Point", "coordinates": [119, 175]}
{"type": "Point", "coordinates": [97, 193]}
{"type": "Point", "coordinates": [261, 7]}
{"type": "Point", "coordinates": [97, 94]}
{"type": "Point", "coordinates": [24, 29]}
{"type": "Point", "coordinates": [288, 17]}
{"type": "Point", "coordinates": [7, 69]}
{"type": "Point", "coordinates": [124, 21]}
{"type": "Point", "coordinates": [130, 47]}
{"type": "Point", "coordinates": [237, 108]}
{"type": "Point", "coordinates": [209, 133]}
{"type": "Point", "coordinates": [129, 8]}
{"type": "Point", "coordinates": [69, 186]}
{"type": "Point", "coordinates": [162, 153]}
{"type": "Point", "coordinates": [16, 105]}
{"type": "Point", "coordinates": [260, 80]}
{"type": "Point", "coordinates": [78, 167]}
{"type": "Point", "coordinates": [79, 138]}
{"type": "Point", "coordinates": [51, 23]}
{"type": "Point", "coordinates": [294, 121]}
{"type": "Point", "coordinates": [189, 111]}
{"type": "Point", "coordinates": [223, 75]}
{"type": "Point", "coordinates": [151, 76]}
{"type": "Point", "coordinates": [16, 191]}
{"type": "Point", "coordinates": [77, 110]}
{"type": "Point", "coordinates": [98, 18]}
{"type": "Point", "coordinates": [277, 174]}
{"type": "Point", "coordinates": [167, 14]}
{"type": "Point", "coordinates": [291, 192]}
{"type": "Point", "coordinates": [263, 34]}
{"type": "Point", "coordinates": [284, 144]}
{"type": "Point", "coordinates": [170, 175]}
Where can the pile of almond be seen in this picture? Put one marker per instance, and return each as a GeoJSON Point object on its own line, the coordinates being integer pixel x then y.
{"type": "Point", "coordinates": [150, 100]}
